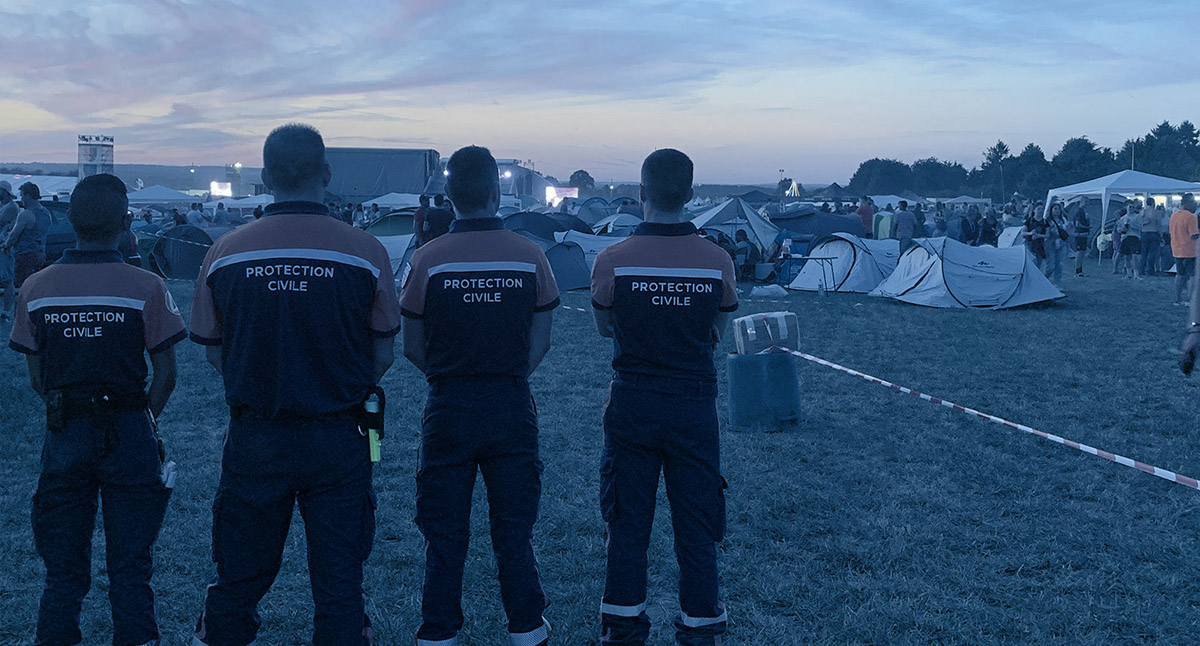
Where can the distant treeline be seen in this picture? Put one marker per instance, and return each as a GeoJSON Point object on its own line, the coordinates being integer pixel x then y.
{"type": "Point", "coordinates": [1173, 151]}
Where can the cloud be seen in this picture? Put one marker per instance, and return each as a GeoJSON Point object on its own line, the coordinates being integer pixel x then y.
{"type": "Point", "coordinates": [211, 77]}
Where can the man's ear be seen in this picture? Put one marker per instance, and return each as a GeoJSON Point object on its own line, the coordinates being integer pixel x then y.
{"type": "Point", "coordinates": [690, 194]}
{"type": "Point", "coordinates": [326, 175]}
{"type": "Point", "coordinates": [642, 193]}
{"type": "Point", "coordinates": [266, 180]}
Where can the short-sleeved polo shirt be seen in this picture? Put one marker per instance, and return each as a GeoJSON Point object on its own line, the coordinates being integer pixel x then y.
{"type": "Point", "coordinates": [477, 289]}
{"type": "Point", "coordinates": [296, 301]}
{"type": "Point", "coordinates": [91, 318]}
{"type": "Point", "coordinates": [666, 287]}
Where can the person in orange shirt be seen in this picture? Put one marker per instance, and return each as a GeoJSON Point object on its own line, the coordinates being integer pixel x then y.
{"type": "Point", "coordinates": [1184, 232]}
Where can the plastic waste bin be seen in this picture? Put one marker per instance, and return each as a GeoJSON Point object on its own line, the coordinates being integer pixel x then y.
{"type": "Point", "coordinates": [764, 392]}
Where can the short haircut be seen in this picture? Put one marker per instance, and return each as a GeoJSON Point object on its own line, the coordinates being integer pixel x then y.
{"type": "Point", "coordinates": [903, 204]}
{"type": "Point", "coordinates": [98, 207]}
{"type": "Point", "coordinates": [293, 155]}
{"type": "Point", "coordinates": [30, 189]}
{"type": "Point", "coordinates": [666, 179]}
{"type": "Point", "coordinates": [473, 176]}
{"type": "Point", "coordinates": [1188, 199]}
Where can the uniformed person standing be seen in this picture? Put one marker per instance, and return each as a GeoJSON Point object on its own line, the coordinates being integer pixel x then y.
{"type": "Point", "coordinates": [664, 296]}
{"type": "Point", "coordinates": [299, 314]}
{"type": "Point", "coordinates": [86, 324]}
{"type": "Point", "coordinates": [477, 306]}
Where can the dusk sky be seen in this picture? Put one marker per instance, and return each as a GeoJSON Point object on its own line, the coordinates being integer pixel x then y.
{"type": "Point", "coordinates": [745, 88]}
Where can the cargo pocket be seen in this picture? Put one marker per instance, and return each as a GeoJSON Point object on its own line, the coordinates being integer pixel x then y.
{"type": "Point", "coordinates": [608, 490]}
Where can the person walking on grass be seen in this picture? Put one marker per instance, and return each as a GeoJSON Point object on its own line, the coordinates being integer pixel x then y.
{"type": "Point", "coordinates": [86, 324]}
{"type": "Point", "coordinates": [478, 304]}
{"type": "Point", "coordinates": [664, 296]}
{"type": "Point", "coordinates": [1083, 228]}
{"type": "Point", "coordinates": [298, 313]}
{"type": "Point", "coordinates": [1184, 233]}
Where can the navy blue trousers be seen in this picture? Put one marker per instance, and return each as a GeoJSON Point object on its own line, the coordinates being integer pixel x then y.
{"type": "Point", "coordinates": [654, 425]}
{"type": "Point", "coordinates": [268, 467]}
{"type": "Point", "coordinates": [122, 468]}
{"type": "Point", "coordinates": [487, 425]}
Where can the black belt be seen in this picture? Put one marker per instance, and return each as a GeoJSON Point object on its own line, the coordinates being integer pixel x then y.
{"type": "Point", "coordinates": [77, 405]}
{"type": "Point", "coordinates": [246, 412]}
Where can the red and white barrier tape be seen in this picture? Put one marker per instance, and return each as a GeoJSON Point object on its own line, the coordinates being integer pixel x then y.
{"type": "Point", "coordinates": [1190, 483]}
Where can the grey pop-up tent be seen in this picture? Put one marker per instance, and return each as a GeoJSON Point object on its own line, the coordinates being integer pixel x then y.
{"type": "Point", "coordinates": [856, 265]}
{"type": "Point", "coordinates": [942, 272]}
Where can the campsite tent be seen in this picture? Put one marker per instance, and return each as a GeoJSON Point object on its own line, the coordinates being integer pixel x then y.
{"type": "Point", "coordinates": [736, 215]}
{"type": "Point", "coordinates": [809, 224]}
{"type": "Point", "coordinates": [567, 262]}
{"type": "Point", "coordinates": [884, 200]}
{"type": "Point", "coordinates": [544, 225]}
{"type": "Point", "coordinates": [1126, 182]}
{"type": "Point", "coordinates": [590, 244]}
{"type": "Point", "coordinates": [832, 193]}
{"type": "Point", "coordinates": [178, 252]}
{"type": "Point", "coordinates": [942, 272]}
{"type": "Point", "coordinates": [1011, 237]}
{"type": "Point", "coordinates": [858, 265]}
{"type": "Point", "coordinates": [756, 197]}
{"type": "Point", "coordinates": [160, 195]}
{"type": "Point", "coordinates": [621, 224]}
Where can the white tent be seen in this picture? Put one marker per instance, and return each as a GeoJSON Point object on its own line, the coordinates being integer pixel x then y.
{"type": "Point", "coordinates": [1011, 237]}
{"type": "Point", "coordinates": [1126, 182]}
{"type": "Point", "coordinates": [160, 195]}
{"type": "Point", "coordinates": [736, 215]}
{"type": "Point", "coordinates": [884, 200]}
{"type": "Point", "coordinates": [47, 184]}
{"type": "Point", "coordinates": [857, 265]}
{"type": "Point", "coordinates": [616, 224]}
{"type": "Point", "coordinates": [591, 245]}
{"type": "Point", "coordinates": [967, 199]}
{"type": "Point", "coordinates": [395, 200]}
{"type": "Point", "coordinates": [942, 272]}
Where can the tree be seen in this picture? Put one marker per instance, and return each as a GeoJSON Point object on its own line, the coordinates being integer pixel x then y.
{"type": "Point", "coordinates": [881, 177]}
{"type": "Point", "coordinates": [1080, 160]}
{"type": "Point", "coordinates": [936, 178]}
{"type": "Point", "coordinates": [581, 179]}
{"type": "Point", "coordinates": [1031, 174]}
{"type": "Point", "coordinates": [997, 160]}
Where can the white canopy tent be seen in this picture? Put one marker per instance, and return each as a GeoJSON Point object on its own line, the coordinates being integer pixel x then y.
{"type": "Point", "coordinates": [1126, 182]}
{"type": "Point", "coordinates": [395, 201]}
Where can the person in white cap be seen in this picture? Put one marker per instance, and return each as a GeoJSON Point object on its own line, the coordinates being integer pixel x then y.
{"type": "Point", "coordinates": [8, 215]}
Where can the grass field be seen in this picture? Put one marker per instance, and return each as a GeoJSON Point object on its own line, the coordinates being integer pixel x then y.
{"type": "Point", "coordinates": [883, 520]}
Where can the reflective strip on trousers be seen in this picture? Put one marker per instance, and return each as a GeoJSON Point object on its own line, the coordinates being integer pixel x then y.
{"type": "Point", "coordinates": [622, 611]}
{"type": "Point", "coordinates": [697, 622]}
{"type": "Point", "coordinates": [531, 638]}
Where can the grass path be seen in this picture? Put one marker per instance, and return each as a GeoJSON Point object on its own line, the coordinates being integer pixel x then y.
{"type": "Point", "coordinates": [883, 520]}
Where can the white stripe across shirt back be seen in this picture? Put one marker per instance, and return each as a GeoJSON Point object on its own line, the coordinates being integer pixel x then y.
{"type": "Point", "coordinates": [83, 301]}
{"type": "Point", "coordinates": [668, 272]}
{"type": "Point", "coordinates": [525, 267]}
{"type": "Point", "coordinates": [294, 254]}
